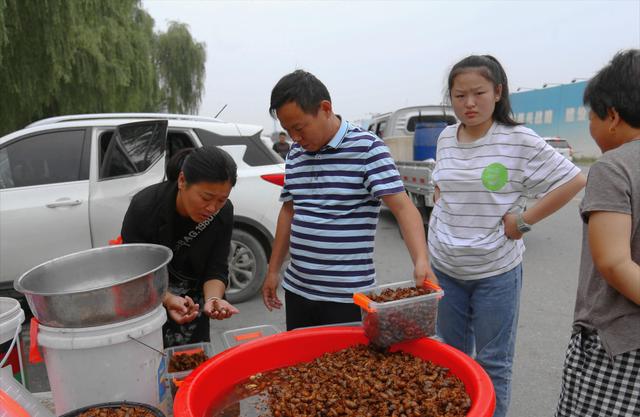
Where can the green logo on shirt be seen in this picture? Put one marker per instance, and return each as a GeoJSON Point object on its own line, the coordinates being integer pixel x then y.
{"type": "Point", "coordinates": [495, 176]}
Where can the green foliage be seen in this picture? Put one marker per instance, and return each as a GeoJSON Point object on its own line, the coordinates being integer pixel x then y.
{"type": "Point", "coordinates": [110, 67]}
{"type": "Point", "coordinates": [90, 56]}
{"type": "Point", "coordinates": [3, 34]}
{"type": "Point", "coordinates": [584, 160]}
{"type": "Point", "coordinates": [181, 67]}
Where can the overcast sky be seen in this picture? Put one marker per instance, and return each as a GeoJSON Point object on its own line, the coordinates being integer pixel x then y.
{"type": "Point", "coordinates": [375, 56]}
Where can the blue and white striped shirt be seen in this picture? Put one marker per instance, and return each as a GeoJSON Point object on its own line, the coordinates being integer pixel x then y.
{"type": "Point", "coordinates": [336, 195]}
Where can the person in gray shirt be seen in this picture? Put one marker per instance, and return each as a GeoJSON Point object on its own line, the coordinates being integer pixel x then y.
{"type": "Point", "coordinates": [602, 367]}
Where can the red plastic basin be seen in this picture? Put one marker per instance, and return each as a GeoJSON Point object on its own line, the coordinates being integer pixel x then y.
{"type": "Point", "coordinates": [210, 384]}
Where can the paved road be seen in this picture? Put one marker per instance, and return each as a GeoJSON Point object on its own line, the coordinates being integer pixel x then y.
{"type": "Point", "coordinates": [550, 279]}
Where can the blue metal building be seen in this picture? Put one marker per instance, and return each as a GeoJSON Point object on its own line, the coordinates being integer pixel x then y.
{"type": "Point", "coordinates": [557, 111]}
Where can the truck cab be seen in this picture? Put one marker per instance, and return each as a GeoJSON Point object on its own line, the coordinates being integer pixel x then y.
{"type": "Point", "coordinates": [397, 128]}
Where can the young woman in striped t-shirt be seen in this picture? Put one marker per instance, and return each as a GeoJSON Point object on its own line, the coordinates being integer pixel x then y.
{"type": "Point", "coordinates": [487, 166]}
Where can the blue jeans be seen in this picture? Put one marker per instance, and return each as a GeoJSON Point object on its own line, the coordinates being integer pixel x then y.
{"type": "Point", "coordinates": [480, 318]}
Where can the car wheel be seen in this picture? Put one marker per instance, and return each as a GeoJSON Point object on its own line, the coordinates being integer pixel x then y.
{"type": "Point", "coordinates": [247, 267]}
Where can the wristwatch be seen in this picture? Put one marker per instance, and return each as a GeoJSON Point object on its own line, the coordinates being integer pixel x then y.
{"type": "Point", "coordinates": [520, 223]}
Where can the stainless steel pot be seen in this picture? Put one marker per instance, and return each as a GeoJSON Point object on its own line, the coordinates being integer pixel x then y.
{"type": "Point", "coordinates": [97, 286]}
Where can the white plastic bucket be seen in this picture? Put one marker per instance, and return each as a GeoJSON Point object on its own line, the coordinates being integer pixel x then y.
{"type": "Point", "coordinates": [21, 396]}
{"type": "Point", "coordinates": [101, 364]}
{"type": "Point", "coordinates": [11, 318]}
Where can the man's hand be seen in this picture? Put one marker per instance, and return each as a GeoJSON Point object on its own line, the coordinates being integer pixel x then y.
{"type": "Point", "coordinates": [269, 291]}
{"type": "Point", "coordinates": [219, 309]}
{"type": "Point", "coordinates": [180, 309]}
{"type": "Point", "coordinates": [422, 270]}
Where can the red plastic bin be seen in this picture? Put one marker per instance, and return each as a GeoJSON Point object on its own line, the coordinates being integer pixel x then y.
{"type": "Point", "coordinates": [207, 386]}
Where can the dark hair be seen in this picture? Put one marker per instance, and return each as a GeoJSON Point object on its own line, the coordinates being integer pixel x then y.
{"type": "Point", "coordinates": [617, 86]}
{"type": "Point", "coordinates": [489, 68]}
{"type": "Point", "coordinates": [205, 164]}
{"type": "Point", "coordinates": [302, 88]}
{"type": "Point", "coordinates": [282, 134]}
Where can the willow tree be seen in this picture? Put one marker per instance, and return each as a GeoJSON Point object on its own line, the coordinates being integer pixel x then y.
{"type": "Point", "coordinates": [60, 57]}
{"type": "Point", "coordinates": [112, 67]}
{"type": "Point", "coordinates": [180, 61]}
{"type": "Point", "coordinates": [92, 56]}
{"type": "Point", "coordinates": [3, 34]}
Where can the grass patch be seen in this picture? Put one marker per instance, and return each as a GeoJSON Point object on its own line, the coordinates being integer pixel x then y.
{"type": "Point", "coordinates": [584, 160]}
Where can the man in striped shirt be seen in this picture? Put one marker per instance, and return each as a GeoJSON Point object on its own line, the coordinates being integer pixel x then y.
{"type": "Point", "coordinates": [336, 175]}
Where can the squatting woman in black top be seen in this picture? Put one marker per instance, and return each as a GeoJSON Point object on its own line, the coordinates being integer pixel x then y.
{"type": "Point", "coordinates": [191, 214]}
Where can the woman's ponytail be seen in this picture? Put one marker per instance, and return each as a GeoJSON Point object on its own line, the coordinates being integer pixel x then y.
{"type": "Point", "coordinates": [174, 166]}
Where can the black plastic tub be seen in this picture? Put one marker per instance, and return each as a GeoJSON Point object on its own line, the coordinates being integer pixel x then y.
{"type": "Point", "coordinates": [118, 404]}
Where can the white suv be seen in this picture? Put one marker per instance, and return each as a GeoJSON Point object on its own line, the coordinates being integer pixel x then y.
{"type": "Point", "coordinates": [66, 182]}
